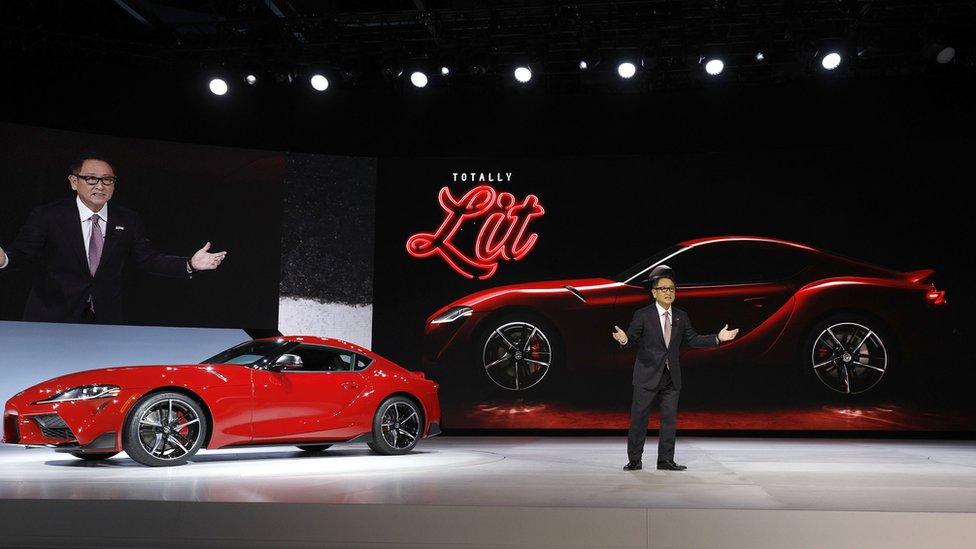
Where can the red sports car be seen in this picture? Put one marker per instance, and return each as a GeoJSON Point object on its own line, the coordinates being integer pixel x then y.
{"type": "Point", "coordinates": [846, 321]}
{"type": "Point", "coordinates": [304, 391]}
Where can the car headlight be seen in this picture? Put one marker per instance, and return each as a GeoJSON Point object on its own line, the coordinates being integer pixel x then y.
{"type": "Point", "coordinates": [86, 392]}
{"type": "Point", "coordinates": [452, 314]}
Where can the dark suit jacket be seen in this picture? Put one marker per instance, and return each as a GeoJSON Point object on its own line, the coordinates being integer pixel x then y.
{"type": "Point", "coordinates": [52, 243]}
{"type": "Point", "coordinates": [646, 335]}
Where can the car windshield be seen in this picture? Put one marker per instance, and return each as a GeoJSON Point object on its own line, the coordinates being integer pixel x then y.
{"type": "Point", "coordinates": [252, 353]}
{"type": "Point", "coordinates": [646, 263]}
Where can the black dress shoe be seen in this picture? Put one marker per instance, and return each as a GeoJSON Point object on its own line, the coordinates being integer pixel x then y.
{"type": "Point", "coordinates": [670, 465]}
{"type": "Point", "coordinates": [633, 466]}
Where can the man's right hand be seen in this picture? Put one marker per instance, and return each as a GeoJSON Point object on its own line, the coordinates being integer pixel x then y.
{"type": "Point", "coordinates": [619, 335]}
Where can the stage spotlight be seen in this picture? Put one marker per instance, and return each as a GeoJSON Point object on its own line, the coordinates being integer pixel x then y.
{"type": "Point", "coordinates": [445, 71]}
{"type": "Point", "coordinates": [251, 79]}
{"type": "Point", "coordinates": [626, 69]}
{"type": "Point", "coordinates": [391, 70]}
{"type": "Point", "coordinates": [945, 55]}
{"type": "Point", "coordinates": [319, 82]}
{"type": "Point", "coordinates": [418, 79]}
{"type": "Point", "coordinates": [831, 61]}
{"type": "Point", "coordinates": [523, 74]}
{"type": "Point", "coordinates": [938, 52]}
{"type": "Point", "coordinates": [760, 56]}
{"type": "Point", "coordinates": [350, 76]}
{"type": "Point", "coordinates": [583, 65]}
{"type": "Point", "coordinates": [714, 67]}
{"type": "Point", "coordinates": [218, 86]}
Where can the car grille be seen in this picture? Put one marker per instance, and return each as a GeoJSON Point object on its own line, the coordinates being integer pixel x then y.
{"type": "Point", "coordinates": [52, 426]}
{"type": "Point", "coordinates": [11, 429]}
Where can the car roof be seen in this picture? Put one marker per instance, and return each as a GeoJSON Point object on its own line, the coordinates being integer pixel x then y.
{"type": "Point", "coordinates": [715, 239]}
{"type": "Point", "coordinates": [316, 340]}
{"type": "Point", "coordinates": [878, 270]}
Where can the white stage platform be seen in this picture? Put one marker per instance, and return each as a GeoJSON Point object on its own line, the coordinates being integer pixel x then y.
{"type": "Point", "coordinates": [504, 492]}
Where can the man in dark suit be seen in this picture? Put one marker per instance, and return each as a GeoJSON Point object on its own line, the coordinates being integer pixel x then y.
{"type": "Point", "coordinates": [657, 331]}
{"type": "Point", "coordinates": [78, 246]}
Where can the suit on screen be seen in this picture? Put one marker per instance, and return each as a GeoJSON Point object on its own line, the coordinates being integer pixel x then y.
{"type": "Point", "coordinates": [52, 244]}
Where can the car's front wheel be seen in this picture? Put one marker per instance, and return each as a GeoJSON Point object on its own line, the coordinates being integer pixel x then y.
{"type": "Point", "coordinates": [397, 426]}
{"type": "Point", "coordinates": [848, 355]}
{"type": "Point", "coordinates": [164, 429]}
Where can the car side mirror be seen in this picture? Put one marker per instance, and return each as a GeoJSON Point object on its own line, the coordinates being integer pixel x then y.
{"type": "Point", "coordinates": [287, 362]}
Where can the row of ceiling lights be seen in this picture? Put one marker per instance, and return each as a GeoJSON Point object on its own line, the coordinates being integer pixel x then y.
{"type": "Point", "coordinates": [712, 66]}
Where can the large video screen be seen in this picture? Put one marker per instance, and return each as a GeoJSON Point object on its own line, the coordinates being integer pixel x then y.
{"type": "Point", "coordinates": [297, 230]}
{"type": "Point", "coordinates": [843, 270]}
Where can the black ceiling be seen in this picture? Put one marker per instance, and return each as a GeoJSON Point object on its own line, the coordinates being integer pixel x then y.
{"type": "Point", "coordinates": [371, 44]}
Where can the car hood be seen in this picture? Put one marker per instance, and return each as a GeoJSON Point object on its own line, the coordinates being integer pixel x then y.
{"type": "Point", "coordinates": [123, 376]}
{"type": "Point", "coordinates": [482, 301]}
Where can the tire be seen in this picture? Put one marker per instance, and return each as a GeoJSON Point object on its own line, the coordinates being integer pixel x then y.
{"type": "Point", "coordinates": [849, 354]}
{"type": "Point", "coordinates": [93, 457]}
{"type": "Point", "coordinates": [314, 447]}
{"type": "Point", "coordinates": [164, 429]}
{"type": "Point", "coordinates": [518, 353]}
{"type": "Point", "coordinates": [397, 426]}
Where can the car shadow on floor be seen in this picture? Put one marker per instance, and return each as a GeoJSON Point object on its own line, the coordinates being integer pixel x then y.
{"type": "Point", "coordinates": [224, 457]}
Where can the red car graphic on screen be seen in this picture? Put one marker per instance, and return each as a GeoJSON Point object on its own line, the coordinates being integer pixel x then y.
{"type": "Point", "coordinates": [304, 391]}
{"type": "Point", "coordinates": [846, 321]}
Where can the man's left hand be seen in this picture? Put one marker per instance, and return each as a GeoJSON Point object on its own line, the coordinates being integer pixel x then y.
{"type": "Point", "coordinates": [203, 260]}
{"type": "Point", "coordinates": [725, 334]}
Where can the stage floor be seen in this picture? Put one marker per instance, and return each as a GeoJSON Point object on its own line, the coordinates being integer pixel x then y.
{"type": "Point", "coordinates": [723, 473]}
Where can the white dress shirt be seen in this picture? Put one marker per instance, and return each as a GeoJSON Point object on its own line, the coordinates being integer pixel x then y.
{"type": "Point", "coordinates": [86, 224]}
{"type": "Point", "coordinates": [660, 314]}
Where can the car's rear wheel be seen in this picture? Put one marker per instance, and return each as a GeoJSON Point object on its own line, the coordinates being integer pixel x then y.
{"type": "Point", "coordinates": [848, 354]}
{"type": "Point", "coordinates": [164, 429]}
{"type": "Point", "coordinates": [93, 457]}
{"type": "Point", "coordinates": [517, 352]}
{"type": "Point", "coordinates": [314, 447]}
{"type": "Point", "coordinates": [397, 426]}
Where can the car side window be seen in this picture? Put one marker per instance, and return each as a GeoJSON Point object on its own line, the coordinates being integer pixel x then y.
{"type": "Point", "coordinates": [738, 262]}
{"type": "Point", "coordinates": [362, 362]}
{"type": "Point", "coordinates": [318, 358]}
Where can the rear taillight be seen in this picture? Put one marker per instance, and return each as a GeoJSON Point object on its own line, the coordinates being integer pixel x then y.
{"type": "Point", "coordinates": [935, 296]}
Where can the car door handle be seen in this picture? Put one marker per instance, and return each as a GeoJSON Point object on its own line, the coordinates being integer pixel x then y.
{"type": "Point", "coordinates": [757, 302]}
{"type": "Point", "coordinates": [349, 385]}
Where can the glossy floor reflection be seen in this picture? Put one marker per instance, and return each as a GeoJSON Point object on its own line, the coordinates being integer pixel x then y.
{"type": "Point", "coordinates": [526, 413]}
{"type": "Point", "coordinates": [834, 475]}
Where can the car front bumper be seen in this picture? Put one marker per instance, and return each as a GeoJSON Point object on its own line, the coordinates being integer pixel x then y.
{"type": "Point", "coordinates": [79, 426]}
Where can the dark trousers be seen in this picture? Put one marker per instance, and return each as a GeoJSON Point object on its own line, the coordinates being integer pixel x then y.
{"type": "Point", "coordinates": [640, 410]}
{"type": "Point", "coordinates": [88, 316]}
